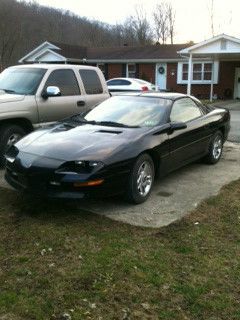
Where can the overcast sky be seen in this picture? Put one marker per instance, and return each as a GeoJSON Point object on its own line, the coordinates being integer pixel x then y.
{"type": "Point", "coordinates": [192, 16]}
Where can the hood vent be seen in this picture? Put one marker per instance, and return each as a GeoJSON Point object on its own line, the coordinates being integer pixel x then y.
{"type": "Point", "coordinates": [109, 131]}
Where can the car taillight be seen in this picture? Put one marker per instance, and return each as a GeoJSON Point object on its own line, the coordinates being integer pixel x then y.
{"type": "Point", "coordinates": [145, 88]}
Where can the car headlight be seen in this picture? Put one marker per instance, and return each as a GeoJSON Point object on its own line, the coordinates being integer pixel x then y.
{"type": "Point", "coordinates": [80, 166]}
{"type": "Point", "coordinates": [11, 154]}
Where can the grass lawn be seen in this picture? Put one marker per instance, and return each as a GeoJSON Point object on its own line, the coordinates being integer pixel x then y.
{"type": "Point", "coordinates": [56, 260]}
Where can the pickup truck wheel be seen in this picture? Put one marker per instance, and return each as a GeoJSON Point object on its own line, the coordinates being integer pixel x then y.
{"type": "Point", "coordinates": [9, 134]}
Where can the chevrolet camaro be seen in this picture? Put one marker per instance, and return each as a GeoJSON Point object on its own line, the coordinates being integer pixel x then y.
{"type": "Point", "coordinates": [120, 146]}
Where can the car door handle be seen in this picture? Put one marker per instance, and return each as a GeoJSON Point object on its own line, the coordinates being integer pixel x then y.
{"type": "Point", "coordinates": [81, 103]}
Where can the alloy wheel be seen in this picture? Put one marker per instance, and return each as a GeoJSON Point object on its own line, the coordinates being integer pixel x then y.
{"type": "Point", "coordinates": [217, 147]}
{"type": "Point", "coordinates": [144, 178]}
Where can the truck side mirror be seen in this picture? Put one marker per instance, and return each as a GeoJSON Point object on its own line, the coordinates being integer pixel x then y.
{"type": "Point", "coordinates": [51, 91]}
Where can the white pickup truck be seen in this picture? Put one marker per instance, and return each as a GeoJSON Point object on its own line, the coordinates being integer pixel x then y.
{"type": "Point", "coordinates": [35, 95]}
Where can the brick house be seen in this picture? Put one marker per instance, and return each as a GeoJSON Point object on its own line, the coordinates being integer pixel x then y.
{"type": "Point", "coordinates": [207, 69]}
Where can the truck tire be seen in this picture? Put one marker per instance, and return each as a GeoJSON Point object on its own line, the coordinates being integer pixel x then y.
{"type": "Point", "coordinates": [9, 134]}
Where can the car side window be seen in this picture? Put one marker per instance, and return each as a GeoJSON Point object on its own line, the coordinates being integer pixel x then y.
{"type": "Point", "coordinates": [184, 110]}
{"type": "Point", "coordinates": [91, 81]}
{"type": "Point", "coordinates": [65, 80]}
{"type": "Point", "coordinates": [118, 82]}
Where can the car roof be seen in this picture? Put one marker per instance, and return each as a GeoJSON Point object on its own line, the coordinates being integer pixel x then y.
{"type": "Point", "coordinates": [53, 66]}
{"type": "Point", "coordinates": [162, 95]}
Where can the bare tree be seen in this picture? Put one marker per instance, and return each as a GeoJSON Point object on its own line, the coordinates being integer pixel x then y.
{"type": "Point", "coordinates": [139, 26]}
{"type": "Point", "coordinates": [212, 17]}
{"type": "Point", "coordinates": [161, 22]}
{"type": "Point", "coordinates": [171, 15]}
{"type": "Point", "coordinates": [164, 22]}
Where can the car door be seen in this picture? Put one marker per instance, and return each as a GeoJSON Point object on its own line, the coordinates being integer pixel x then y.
{"type": "Point", "coordinates": [93, 90]}
{"type": "Point", "coordinates": [189, 143]}
{"type": "Point", "coordinates": [68, 103]}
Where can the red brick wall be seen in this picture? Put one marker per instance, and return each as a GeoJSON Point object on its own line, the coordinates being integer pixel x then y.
{"type": "Point", "coordinates": [226, 81]}
{"type": "Point", "coordinates": [147, 72]}
{"type": "Point", "coordinates": [226, 77]}
{"type": "Point", "coordinates": [114, 70]}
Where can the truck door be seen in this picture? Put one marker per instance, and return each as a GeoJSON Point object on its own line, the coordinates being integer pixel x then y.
{"type": "Point", "coordinates": [70, 101]}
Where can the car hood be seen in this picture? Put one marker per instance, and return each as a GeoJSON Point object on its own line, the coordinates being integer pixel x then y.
{"type": "Point", "coordinates": [85, 142]}
{"type": "Point", "coordinates": [6, 97]}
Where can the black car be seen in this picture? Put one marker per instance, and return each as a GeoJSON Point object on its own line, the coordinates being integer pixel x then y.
{"type": "Point", "coordinates": [118, 147]}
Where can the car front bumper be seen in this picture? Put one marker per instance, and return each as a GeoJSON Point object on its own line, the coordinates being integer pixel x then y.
{"type": "Point", "coordinates": [47, 183]}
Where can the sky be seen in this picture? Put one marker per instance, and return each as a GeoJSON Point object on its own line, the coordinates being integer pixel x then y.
{"type": "Point", "coordinates": [192, 16]}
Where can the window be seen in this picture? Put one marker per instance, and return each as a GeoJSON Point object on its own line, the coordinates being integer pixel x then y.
{"type": "Point", "coordinates": [185, 71]}
{"type": "Point", "coordinates": [131, 111]}
{"type": "Point", "coordinates": [91, 81]}
{"type": "Point", "coordinates": [118, 82]}
{"type": "Point", "coordinates": [197, 71]}
{"type": "Point", "coordinates": [207, 71]}
{"type": "Point", "coordinates": [21, 80]}
{"type": "Point", "coordinates": [65, 80]}
{"type": "Point", "coordinates": [202, 72]}
{"type": "Point", "coordinates": [184, 110]}
{"type": "Point", "coordinates": [131, 70]}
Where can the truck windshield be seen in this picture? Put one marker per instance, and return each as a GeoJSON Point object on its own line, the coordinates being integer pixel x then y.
{"type": "Point", "coordinates": [23, 81]}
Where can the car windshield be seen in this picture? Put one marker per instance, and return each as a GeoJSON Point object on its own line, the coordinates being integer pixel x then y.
{"type": "Point", "coordinates": [23, 81]}
{"type": "Point", "coordinates": [131, 111]}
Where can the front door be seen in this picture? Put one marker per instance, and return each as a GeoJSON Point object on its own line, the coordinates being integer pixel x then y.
{"type": "Point", "coordinates": [237, 84]}
{"type": "Point", "coordinates": [69, 103]}
{"type": "Point", "coordinates": [161, 76]}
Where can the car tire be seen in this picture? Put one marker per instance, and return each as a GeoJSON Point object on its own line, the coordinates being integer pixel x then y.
{"type": "Point", "coordinates": [141, 180]}
{"type": "Point", "coordinates": [9, 134]}
{"type": "Point", "coordinates": [215, 148]}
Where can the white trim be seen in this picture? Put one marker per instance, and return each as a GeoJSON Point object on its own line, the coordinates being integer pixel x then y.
{"type": "Point", "coordinates": [215, 75]}
{"type": "Point", "coordinates": [52, 52]}
{"type": "Point", "coordinates": [204, 43]}
{"type": "Point", "coordinates": [46, 43]}
{"type": "Point", "coordinates": [189, 81]}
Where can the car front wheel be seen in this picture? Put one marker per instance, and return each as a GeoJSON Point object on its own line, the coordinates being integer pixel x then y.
{"type": "Point", "coordinates": [215, 148]}
{"type": "Point", "coordinates": [141, 179]}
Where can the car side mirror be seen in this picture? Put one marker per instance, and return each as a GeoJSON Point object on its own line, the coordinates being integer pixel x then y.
{"type": "Point", "coordinates": [51, 91]}
{"type": "Point", "coordinates": [178, 126]}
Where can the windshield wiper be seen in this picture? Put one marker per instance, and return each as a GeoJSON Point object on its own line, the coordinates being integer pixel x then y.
{"type": "Point", "coordinates": [8, 90]}
{"type": "Point", "coordinates": [81, 120]}
{"type": "Point", "coordinates": [115, 124]}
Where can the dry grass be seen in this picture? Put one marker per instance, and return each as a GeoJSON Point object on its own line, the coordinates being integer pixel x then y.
{"type": "Point", "coordinates": [56, 259]}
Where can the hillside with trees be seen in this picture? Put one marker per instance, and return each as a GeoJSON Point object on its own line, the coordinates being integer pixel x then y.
{"type": "Point", "coordinates": [24, 26]}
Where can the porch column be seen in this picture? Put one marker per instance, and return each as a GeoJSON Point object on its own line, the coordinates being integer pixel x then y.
{"type": "Point", "coordinates": [212, 80]}
{"type": "Point", "coordinates": [156, 84]}
{"type": "Point", "coordinates": [189, 74]}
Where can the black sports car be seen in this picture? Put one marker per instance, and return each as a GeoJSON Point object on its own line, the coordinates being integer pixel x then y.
{"type": "Point", "coordinates": [118, 147]}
